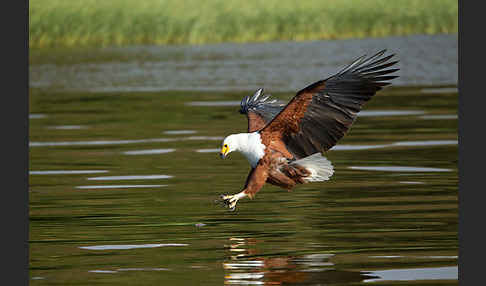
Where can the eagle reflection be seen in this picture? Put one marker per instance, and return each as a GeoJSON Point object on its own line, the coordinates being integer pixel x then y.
{"type": "Point", "coordinates": [246, 266]}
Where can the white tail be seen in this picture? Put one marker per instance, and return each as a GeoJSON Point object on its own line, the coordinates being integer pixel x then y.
{"type": "Point", "coordinates": [321, 169]}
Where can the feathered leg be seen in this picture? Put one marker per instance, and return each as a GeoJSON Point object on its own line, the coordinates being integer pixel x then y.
{"type": "Point", "coordinates": [254, 182]}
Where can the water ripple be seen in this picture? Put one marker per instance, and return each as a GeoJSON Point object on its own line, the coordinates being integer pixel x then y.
{"type": "Point", "coordinates": [372, 113]}
{"type": "Point", "coordinates": [70, 172]}
{"type": "Point", "coordinates": [437, 273]}
{"type": "Point", "coordinates": [149, 151]}
{"type": "Point", "coordinates": [207, 150]}
{"type": "Point", "coordinates": [119, 186]}
{"type": "Point", "coordinates": [134, 177]}
{"type": "Point", "coordinates": [130, 246]}
{"type": "Point", "coordinates": [439, 116]}
{"type": "Point", "coordinates": [67, 127]}
{"type": "Point", "coordinates": [178, 132]}
{"type": "Point", "coordinates": [399, 169]}
{"type": "Point", "coordinates": [115, 142]}
{"type": "Point", "coordinates": [37, 116]}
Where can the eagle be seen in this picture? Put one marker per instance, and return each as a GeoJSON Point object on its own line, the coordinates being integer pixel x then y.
{"type": "Point", "coordinates": [285, 143]}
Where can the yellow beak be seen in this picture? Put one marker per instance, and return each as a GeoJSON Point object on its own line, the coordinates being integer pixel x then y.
{"type": "Point", "coordinates": [224, 152]}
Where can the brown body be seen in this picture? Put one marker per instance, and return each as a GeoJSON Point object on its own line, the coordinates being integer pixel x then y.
{"type": "Point", "coordinates": [274, 167]}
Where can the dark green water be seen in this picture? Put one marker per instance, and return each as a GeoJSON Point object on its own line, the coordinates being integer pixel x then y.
{"type": "Point", "coordinates": [140, 209]}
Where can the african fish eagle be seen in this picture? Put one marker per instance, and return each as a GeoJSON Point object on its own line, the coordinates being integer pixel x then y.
{"type": "Point", "coordinates": [284, 143]}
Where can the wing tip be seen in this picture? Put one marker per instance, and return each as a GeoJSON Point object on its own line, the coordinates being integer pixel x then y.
{"type": "Point", "coordinates": [363, 63]}
{"type": "Point", "coordinates": [253, 101]}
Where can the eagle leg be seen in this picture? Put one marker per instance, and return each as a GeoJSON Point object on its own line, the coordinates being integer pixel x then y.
{"type": "Point", "coordinates": [254, 182]}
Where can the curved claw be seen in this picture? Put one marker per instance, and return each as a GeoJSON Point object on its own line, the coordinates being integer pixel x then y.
{"type": "Point", "coordinates": [228, 201]}
{"type": "Point", "coordinates": [220, 201]}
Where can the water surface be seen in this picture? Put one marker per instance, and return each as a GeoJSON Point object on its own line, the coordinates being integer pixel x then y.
{"type": "Point", "coordinates": [129, 198]}
{"type": "Point", "coordinates": [389, 212]}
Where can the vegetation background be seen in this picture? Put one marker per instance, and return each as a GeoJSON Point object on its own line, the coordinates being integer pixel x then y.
{"type": "Point", "coordinates": [60, 23]}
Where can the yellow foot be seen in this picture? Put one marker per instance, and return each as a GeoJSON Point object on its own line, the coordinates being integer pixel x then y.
{"type": "Point", "coordinates": [231, 200]}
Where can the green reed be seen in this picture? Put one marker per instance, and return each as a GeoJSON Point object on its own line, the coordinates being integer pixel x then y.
{"type": "Point", "coordinates": [54, 23]}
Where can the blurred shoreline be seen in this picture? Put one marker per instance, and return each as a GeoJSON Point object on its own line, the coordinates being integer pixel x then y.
{"type": "Point", "coordinates": [425, 60]}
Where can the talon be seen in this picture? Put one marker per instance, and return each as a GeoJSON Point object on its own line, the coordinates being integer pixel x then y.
{"type": "Point", "coordinates": [226, 197]}
{"type": "Point", "coordinates": [222, 199]}
{"type": "Point", "coordinates": [228, 201]}
{"type": "Point", "coordinates": [232, 205]}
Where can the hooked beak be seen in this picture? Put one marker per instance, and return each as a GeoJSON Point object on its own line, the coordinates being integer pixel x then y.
{"type": "Point", "coordinates": [224, 152]}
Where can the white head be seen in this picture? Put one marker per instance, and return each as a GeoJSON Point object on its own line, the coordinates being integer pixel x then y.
{"type": "Point", "coordinates": [249, 144]}
{"type": "Point", "coordinates": [230, 143]}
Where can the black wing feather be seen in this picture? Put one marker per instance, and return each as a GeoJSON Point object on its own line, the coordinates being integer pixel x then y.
{"type": "Point", "coordinates": [261, 105]}
{"type": "Point", "coordinates": [336, 102]}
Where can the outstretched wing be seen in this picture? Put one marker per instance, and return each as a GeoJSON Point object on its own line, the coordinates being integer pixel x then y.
{"type": "Point", "coordinates": [259, 110]}
{"type": "Point", "coordinates": [320, 114]}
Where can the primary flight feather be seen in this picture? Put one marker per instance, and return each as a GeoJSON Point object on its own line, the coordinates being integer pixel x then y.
{"type": "Point", "coordinates": [284, 143]}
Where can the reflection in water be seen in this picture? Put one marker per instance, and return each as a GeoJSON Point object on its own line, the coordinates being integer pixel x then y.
{"type": "Point", "coordinates": [315, 269]}
{"type": "Point", "coordinates": [311, 269]}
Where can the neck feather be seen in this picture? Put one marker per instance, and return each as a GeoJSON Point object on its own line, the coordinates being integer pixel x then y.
{"type": "Point", "coordinates": [250, 145]}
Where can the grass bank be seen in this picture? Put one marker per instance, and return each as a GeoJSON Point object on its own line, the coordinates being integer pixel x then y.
{"type": "Point", "coordinates": [55, 23]}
